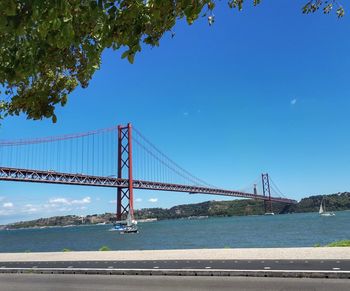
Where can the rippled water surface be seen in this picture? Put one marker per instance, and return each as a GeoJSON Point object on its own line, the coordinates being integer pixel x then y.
{"type": "Point", "coordinates": [290, 230]}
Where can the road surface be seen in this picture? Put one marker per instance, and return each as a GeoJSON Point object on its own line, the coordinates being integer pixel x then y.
{"type": "Point", "coordinates": [263, 265]}
{"type": "Point", "coordinates": [34, 282]}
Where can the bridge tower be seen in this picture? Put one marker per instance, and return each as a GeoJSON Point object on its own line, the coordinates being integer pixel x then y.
{"type": "Point", "coordinates": [125, 196]}
{"type": "Point", "coordinates": [266, 192]}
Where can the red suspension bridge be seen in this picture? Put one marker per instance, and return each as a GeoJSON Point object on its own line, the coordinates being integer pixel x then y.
{"type": "Point", "coordinates": [119, 157]}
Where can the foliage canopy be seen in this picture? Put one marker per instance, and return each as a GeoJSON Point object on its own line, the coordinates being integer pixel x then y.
{"type": "Point", "coordinates": [49, 47]}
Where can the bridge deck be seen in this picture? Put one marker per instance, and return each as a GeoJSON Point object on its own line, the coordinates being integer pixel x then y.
{"type": "Point", "coordinates": [51, 177]}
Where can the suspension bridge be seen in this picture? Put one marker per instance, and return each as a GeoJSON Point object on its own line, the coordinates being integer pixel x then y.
{"type": "Point", "coordinates": [118, 157]}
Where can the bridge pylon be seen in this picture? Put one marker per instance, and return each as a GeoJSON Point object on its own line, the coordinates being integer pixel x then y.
{"type": "Point", "coordinates": [267, 192]}
{"type": "Point", "coordinates": [125, 196]}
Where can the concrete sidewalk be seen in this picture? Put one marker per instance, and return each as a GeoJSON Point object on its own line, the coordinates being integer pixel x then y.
{"type": "Point", "coordinates": [322, 253]}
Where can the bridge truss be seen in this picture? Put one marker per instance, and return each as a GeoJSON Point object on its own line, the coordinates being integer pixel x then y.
{"type": "Point", "coordinates": [124, 179]}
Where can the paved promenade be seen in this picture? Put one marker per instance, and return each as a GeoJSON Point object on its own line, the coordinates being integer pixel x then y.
{"type": "Point", "coordinates": [321, 253]}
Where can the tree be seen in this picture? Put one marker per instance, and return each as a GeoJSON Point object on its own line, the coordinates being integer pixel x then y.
{"type": "Point", "coordinates": [49, 47]}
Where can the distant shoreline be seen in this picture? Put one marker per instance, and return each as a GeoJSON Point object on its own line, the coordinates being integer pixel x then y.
{"type": "Point", "coordinates": [139, 221]}
{"type": "Point", "coordinates": [243, 207]}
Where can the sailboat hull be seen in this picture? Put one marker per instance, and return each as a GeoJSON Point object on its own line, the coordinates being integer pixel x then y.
{"type": "Point", "coordinates": [327, 214]}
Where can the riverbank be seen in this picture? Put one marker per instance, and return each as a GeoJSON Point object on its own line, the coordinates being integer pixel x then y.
{"type": "Point", "coordinates": [320, 253]}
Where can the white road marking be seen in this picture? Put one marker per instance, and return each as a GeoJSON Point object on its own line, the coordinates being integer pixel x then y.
{"type": "Point", "coordinates": [155, 267]}
{"type": "Point", "coordinates": [110, 267]}
{"type": "Point", "coordinates": [208, 267]}
{"type": "Point", "coordinates": [336, 269]}
{"type": "Point", "coordinates": [267, 268]}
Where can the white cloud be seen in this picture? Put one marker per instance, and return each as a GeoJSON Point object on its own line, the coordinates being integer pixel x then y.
{"type": "Point", "coordinates": [58, 201]}
{"type": "Point", "coordinates": [85, 200]}
{"type": "Point", "coordinates": [113, 201]}
{"type": "Point", "coordinates": [65, 201]}
{"type": "Point", "coordinates": [60, 204]}
{"type": "Point", "coordinates": [4, 212]}
{"type": "Point", "coordinates": [293, 101]}
{"type": "Point", "coordinates": [138, 200]}
{"type": "Point", "coordinates": [8, 205]}
{"type": "Point", "coordinates": [6, 208]}
{"type": "Point", "coordinates": [153, 200]}
{"type": "Point", "coordinates": [2, 198]}
{"type": "Point", "coordinates": [30, 208]}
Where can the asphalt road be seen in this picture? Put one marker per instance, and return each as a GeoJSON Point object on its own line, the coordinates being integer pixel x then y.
{"type": "Point", "coordinates": [315, 265]}
{"type": "Point", "coordinates": [35, 282]}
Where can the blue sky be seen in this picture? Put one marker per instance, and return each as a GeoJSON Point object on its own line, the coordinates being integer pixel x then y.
{"type": "Point", "coordinates": [262, 90]}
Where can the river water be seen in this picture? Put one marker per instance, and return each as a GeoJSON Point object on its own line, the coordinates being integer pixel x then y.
{"type": "Point", "coordinates": [289, 230]}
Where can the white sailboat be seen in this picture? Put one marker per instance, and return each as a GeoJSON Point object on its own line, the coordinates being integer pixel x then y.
{"type": "Point", "coordinates": [127, 226]}
{"type": "Point", "coordinates": [323, 211]}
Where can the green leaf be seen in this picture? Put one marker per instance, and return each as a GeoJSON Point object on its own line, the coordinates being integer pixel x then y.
{"type": "Point", "coordinates": [64, 100]}
{"type": "Point", "coordinates": [131, 58]}
{"type": "Point", "coordinates": [56, 23]}
{"type": "Point", "coordinates": [10, 8]}
{"type": "Point", "coordinates": [68, 32]}
{"type": "Point", "coordinates": [125, 54]}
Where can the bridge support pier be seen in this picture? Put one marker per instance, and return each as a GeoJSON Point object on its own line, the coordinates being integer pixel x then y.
{"type": "Point", "coordinates": [125, 196]}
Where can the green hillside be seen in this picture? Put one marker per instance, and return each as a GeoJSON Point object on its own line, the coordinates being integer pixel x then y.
{"type": "Point", "coordinates": [334, 202]}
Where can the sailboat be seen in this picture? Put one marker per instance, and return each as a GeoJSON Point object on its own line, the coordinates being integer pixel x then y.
{"type": "Point", "coordinates": [128, 226]}
{"type": "Point", "coordinates": [323, 211]}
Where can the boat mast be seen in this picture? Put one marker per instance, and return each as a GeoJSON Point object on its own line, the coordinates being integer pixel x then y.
{"type": "Point", "coordinates": [324, 206]}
